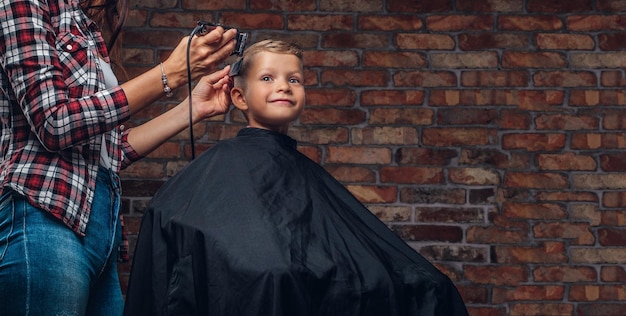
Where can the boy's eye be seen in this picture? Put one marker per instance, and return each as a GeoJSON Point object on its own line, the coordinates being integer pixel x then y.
{"type": "Point", "coordinates": [294, 80]}
{"type": "Point", "coordinates": [266, 78]}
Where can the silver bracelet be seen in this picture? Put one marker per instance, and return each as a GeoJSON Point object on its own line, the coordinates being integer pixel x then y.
{"type": "Point", "coordinates": [166, 88]}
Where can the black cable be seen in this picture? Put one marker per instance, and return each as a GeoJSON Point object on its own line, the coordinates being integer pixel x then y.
{"type": "Point", "coordinates": [199, 27]}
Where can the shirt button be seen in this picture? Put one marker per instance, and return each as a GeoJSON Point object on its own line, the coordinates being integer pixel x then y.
{"type": "Point", "coordinates": [69, 47]}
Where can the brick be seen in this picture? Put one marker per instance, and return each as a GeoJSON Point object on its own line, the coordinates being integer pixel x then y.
{"type": "Point", "coordinates": [543, 211]}
{"type": "Point", "coordinates": [424, 156]}
{"type": "Point", "coordinates": [393, 59]}
{"type": "Point", "coordinates": [418, 6]}
{"type": "Point", "coordinates": [401, 116]}
{"type": "Point", "coordinates": [540, 60]}
{"type": "Point", "coordinates": [482, 196]}
{"type": "Point", "coordinates": [566, 161]}
{"type": "Point", "coordinates": [351, 40]}
{"type": "Point", "coordinates": [546, 252]}
{"type": "Point", "coordinates": [141, 188]}
{"type": "Point", "coordinates": [428, 232]}
{"type": "Point", "coordinates": [456, 136]}
{"type": "Point", "coordinates": [330, 97]}
{"type": "Point", "coordinates": [432, 195]}
{"type": "Point", "coordinates": [441, 23]}
{"type": "Point", "coordinates": [589, 255]}
{"type": "Point", "coordinates": [322, 23]}
{"type": "Point", "coordinates": [585, 97]}
{"type": "Point", "coordinates": [392, 98]}
{"type": "Point", "coordinates": [534, 141]}
{"type": "Point", "coordinates": [612, 41]}
{"type": "Point", "coordinates": [613, 78]}
{"type": "Point", "coordinates": [486, 311]}
{"type": "Point", "coordinates": [614, 120]}
{"type": "Point", "coordinates": [485, 59]}
{"type": "Point", "coordinates": [564, 41]}
{"type": "Point", "coordinates": [424, 79]}
{"type": "Point", "coordinates": [391, 213]}
{"type": "Point", "coordinates": [413, 175]}
{"type": "Point", "coordinates": [355, 78]}
{"type": "Point", "coordinates": [586, 212]}
{"type": "Point", "coordinates": [513, 119]}
{"type": "Point", "coordinates": [466, 116]}
{"type": "Point", "coordinates": [312, 152]}
{"type": "Point", "coordinates": [449, 215]}
{"type": "Point", "coordinates": [490, 5]}
{"type": "Point", "coordinates": [591, 22]}
{"type": "Point", "coordinates": [555, 6]}
{"type": "Point", "coordinates": [495, 235]}
{"type": "Point", "coordinates": [598, 181]}
{"type": "Point", "coordinates": [332, 116]}
{"type": "Point", "coordinates": [598, 60]}
{"type": "Point", "coordinates": [540, 100]}
{"type": "Point", "coordinates": [474, 176]}
{"type": "Point", "coordinates": [510, 275]}
{"type": "Point", "coordinates": [346, 174]}
{"type": "Point", "coordinates": [530, 180]}
{"type": "Point", "coordinates": [347, 6]}
{"type": "Point", "coordinates": [614, 199]}
{"type": "Point", "coordinates": [144, 169]}
{"type": "Point", "coordinates": [330, 58]}
{"type": "Point", "coordinates": [610, 237]}
{"type": "Point", "coordinates": [566, 122]}
{"type": "Point", "coordinates": [425, 41]}
{"type": "Point", "coordinates": [385, 135]}
{"type": "Point", "coordinates": [578, 233]}
{"type": "Point", "coordinates": [567, 196]}
{"type": "Point", "coordinates": [564, 274]}
{"type": "Point", "coordinates": [613, 162]}
{"type": "Point", "coordinates": [603, 308]}
{"type": "Point", "coordinates": [611, 5]}
{"type": "Point", "coordinates": [373, 194]}
{"type": "Point", "coordinates": [253, 21]}
{"type": "Point", "coordinates": [529, 23]}
{"type": "Point", "coordinates": [320, 136]}
{"type": "Point", "coordinates": [455, 253]}
{"type": "Point", "coordinates": [358, 155]}
{"type": "Point", "coordinates": [524, 309]}
{"type": "Point", "coordinates": [492, 157]}
{"type": "Point", "coordinates": [527, 293]}
{"type": "Point", "coordinates": [207, 5]}
{"type": "Point", "coordinates": [473, 294]}
{"type": "Point", "coordinates": [389, 22]}
{"type": "Point", "coordinates": [564, 79]}
{"type": "Point", "coordinates": [495, 78]}
{"type": "Point", "coordinates": [597, 293]}
{"type": "Point", "coordinates": [473, 97]}
{"type": "Point", "coordinates": [492, 40]}
{"type": "Point", "coordinates": [613, 274]}
{"type": "Point", "coordinates": [613, 218]}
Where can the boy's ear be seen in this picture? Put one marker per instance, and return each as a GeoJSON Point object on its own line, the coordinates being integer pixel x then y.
{"type": "Point", "coordinates": [238, 98]}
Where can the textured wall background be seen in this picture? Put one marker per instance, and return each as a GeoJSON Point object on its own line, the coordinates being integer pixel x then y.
{"type": "Point", "coordinates": [489, 134]}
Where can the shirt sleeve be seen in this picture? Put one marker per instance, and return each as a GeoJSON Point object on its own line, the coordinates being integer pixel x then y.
{"type": "Point", "coordinates": [50, 56]}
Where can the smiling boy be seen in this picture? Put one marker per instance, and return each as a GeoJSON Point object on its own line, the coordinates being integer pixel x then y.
{"type": "Point", "coordinates": [254, 227]}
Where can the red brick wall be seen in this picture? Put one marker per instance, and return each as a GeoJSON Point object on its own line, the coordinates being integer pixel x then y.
{"type": "Point", "coordinates": [489, 134]}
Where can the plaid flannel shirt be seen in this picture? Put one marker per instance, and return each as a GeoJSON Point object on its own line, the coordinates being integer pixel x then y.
{"type": "Point", "coordinates": [54, 108]}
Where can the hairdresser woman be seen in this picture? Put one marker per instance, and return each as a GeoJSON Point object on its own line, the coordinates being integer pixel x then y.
{"type": "Point", "coordinates": [62, 145]}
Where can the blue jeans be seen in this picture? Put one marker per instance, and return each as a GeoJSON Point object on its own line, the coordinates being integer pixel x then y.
{"type": "Point", "coordinates": [47, 269]}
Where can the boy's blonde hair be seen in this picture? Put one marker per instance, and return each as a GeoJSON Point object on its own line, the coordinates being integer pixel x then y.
{"type": "Point", "coordinates": [269, 45]}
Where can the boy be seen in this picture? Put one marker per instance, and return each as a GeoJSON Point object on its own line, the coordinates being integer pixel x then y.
{"type": "Point", "coordinates": [273, 233]}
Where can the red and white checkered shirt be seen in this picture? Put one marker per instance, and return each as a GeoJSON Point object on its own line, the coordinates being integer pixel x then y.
{"type": "Point", "coordinates": [54, 108]}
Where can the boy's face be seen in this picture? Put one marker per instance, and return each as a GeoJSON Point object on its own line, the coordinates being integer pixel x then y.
{"type": "Point", "coordinates": [273, 93]}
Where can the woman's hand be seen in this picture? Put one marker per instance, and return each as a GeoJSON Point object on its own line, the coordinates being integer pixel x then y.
{"type": "Point", "coordinates": [211, 96]}
{"type": "Point", "coordinates": [205, 53]}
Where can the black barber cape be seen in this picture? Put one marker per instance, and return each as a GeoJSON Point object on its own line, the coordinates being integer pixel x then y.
{"type": "Point", "coordinates": [254, 227]}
